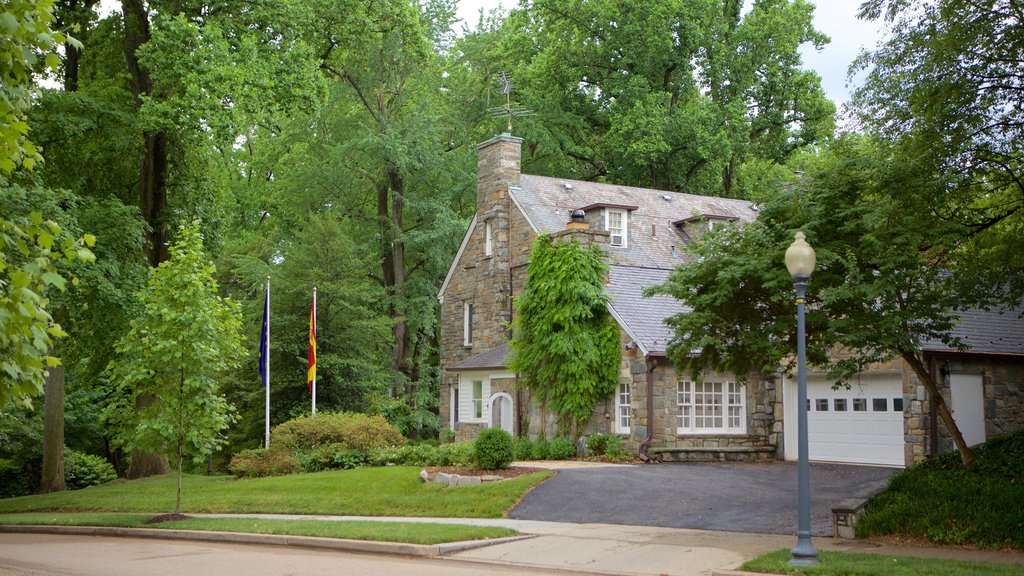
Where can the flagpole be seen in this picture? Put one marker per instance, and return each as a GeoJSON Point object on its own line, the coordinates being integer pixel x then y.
{"type": "Point", "coordinates": [313, 328]}
{"type": "Point", "coordinates": [267, 372]}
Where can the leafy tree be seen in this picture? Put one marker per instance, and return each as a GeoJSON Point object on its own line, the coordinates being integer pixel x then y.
{"type": "Point", "coordinates": [947, 86]}
{"type": "Point", "coordinates": [184, 338]}
{"type": "Point", "coordinates": [670, 94]}
{"type": "Point", "coordinates": [565, 343]}
{"type": "Point", "coordinates": [887, 279]}
{"type": "Point", "coordinates": [30, 253]}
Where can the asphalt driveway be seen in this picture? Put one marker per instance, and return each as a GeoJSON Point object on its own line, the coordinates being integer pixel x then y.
{"type": "Point", "coordinates": [739, 497]}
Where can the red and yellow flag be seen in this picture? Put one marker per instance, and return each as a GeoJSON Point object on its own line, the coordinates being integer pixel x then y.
{"type": "Point", "coordinates": [311, 372]}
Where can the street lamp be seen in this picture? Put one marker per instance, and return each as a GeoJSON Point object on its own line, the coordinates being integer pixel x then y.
{"type": "Point", "coordinates": [800, 263]}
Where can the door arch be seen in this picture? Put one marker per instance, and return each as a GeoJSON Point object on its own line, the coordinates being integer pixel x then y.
{"type": "Point", "coordinates": [499, 412]}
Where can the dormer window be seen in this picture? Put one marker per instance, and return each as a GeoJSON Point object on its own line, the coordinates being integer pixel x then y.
{"type": "Point", "coordinates": [616, 224]}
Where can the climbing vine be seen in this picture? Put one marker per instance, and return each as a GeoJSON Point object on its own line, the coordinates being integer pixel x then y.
{"type": "Point", "coordinates": [565, 344]}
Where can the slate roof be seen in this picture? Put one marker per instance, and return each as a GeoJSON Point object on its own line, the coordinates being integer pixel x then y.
{"type": "Point", "coordinates": [996, 331]}
{"type": "Point", "coordinates": [493, 358]}
{"type": "Point", "coordinates": [643, 317]}
{"type": "Point", "coordinates": [549, 202]}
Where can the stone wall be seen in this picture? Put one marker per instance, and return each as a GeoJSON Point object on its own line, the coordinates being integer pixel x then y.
{"type": "Point", "coordinates": [1003, 384]}
{"type": "Point", "coordinates": [482, 280]}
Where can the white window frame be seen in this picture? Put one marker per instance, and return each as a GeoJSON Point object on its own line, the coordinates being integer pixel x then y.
{"type": "Point", "coordinates": [699, 404]}
{"type": "Point", "coordinates": [488, 244]}
{"type": "Point", "coordinates": [467, 324]}
{"type": "Point", "coordinates": [622, 408]}
{"type": "Point", "coordinates": [619, 234]}
{"type": "Point", "coordinates": [453, 406]}
{"type": "Point", "coordinates": [468, 400]}
{"type": "Point", "coordinates": [477, 399]}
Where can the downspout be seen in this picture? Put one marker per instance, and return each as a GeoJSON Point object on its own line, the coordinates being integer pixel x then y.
{"type": "Point", "coordinates": [652, 363]}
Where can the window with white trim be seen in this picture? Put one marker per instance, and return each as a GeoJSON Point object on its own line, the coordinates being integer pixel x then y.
{"type": "Point", "coordinates": [615, 223]}
{"type": "Point", "coordinates": [467, 324]}
{"type": "Point", "coordinates": [488, 244]}
{"type": "Point", "coordinates": [711, 406]}
{"type": "Point", "coordinates": [478, 399]}
{"type": "Point", "coordinates": [622, 409]}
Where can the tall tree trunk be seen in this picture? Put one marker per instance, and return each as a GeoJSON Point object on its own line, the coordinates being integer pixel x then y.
{"type": "Point", "coordinates": [153, 168]}
{"type": "Point", "coordinates": [152, 185]}
{"type": "Point", "coordinates": [400, 330]}
{"type": "Point", "coordinates": [917, 365]}
{"type": "Point", "coordinates": [53, 432]}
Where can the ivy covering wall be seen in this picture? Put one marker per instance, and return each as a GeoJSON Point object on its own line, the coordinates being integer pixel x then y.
{"type": "Point", "coordinates": [565, 344]}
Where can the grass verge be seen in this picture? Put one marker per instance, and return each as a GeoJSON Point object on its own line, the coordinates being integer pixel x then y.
{"type": "Point", "coordinates": [390, 491]}
{"type": "Point", "coordinates": [407, 532]}
{"type": "Point", "coordinates": [852, 564]}
{"type": "Point", "coordinates": [942, 502]}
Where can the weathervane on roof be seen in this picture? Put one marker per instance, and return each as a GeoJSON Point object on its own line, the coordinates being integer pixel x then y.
{"type": "Point", "coordinates": [508, 109]}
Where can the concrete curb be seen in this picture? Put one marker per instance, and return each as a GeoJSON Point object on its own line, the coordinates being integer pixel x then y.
{"type": "Point", "coordinates": [365, 546]}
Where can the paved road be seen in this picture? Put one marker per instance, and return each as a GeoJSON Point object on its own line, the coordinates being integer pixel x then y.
{"type": "Point", "coordinates": [45, 555]}
{"type": "Point", "coordinates": [738, 497]}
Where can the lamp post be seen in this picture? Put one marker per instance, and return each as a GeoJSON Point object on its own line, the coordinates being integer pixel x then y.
{"type": "Point", "coordinates": [800, 263]}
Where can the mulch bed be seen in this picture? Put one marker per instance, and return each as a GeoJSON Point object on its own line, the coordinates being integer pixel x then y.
{"type": "Point", "coordinates": [167, 518]}
{"type": "Point", "coordinates": [463, 471]}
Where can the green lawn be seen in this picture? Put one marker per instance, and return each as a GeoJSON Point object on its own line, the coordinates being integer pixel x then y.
{"type": "Point", "coordinates": [850, 564]}
{"type": "Point", "coordinates": [942, 502]}
{"type": "Point", "coordinates": [388, 491]}
{"type": "Point", "coordinates": [410, 532]}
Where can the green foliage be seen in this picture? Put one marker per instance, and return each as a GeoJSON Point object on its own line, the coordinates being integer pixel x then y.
{"type": "Point", "coordinates": [457, 454]}
{"type": "Point", "coordinates": [943, 502]}
{"type": "Point", "coordinates": [31, 251]}
{"type": "Point", "coordinates": [165, 374]}
{"type": "Point", "coordinates": [562, 448]}
{"type": "Point", "coordinates": [346, 431]}
{"type": "Point", "coordinates": [945, 86]}
{"type": "Point", "coordinates": [492, 449]}
{"type": "Point", "coordinates": [541, 449]}
{"type": "Point", "coordinates": [261, 462]}
{"type": "Point", "coordinates": [83, 470]}
{"type": "Point", "coordinates": [565, 344]}
{"type": "Point", "coordinates": [27, 44]}
{"type": "Point", "coordinates": [330, 457]}
{"type": "Point", "coordinates": [522, 449]}
{"type": "Point", "coordinates": [665, 93]}
{"type": "Point", "coordinates": [607, 445]}
{"type": "Point", "coordinates": [881, 287]}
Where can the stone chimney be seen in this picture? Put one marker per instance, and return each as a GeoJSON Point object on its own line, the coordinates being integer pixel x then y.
{"type": "Point", "coordinates": [497, 168]}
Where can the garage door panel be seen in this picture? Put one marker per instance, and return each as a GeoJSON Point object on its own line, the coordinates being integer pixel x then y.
{"type": "Point", "coordinates": [863, 424]}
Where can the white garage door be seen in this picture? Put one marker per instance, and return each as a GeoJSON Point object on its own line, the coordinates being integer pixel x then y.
{"type": "Point", "coordinates": [862, 424]}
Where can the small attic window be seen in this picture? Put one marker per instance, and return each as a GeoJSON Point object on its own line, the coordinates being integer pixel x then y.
{"type": "Point", "coordinates": [616, 224]}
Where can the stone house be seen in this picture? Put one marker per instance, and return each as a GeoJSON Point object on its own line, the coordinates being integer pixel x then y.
{"type": "Point", "coordinates": [885, 416]}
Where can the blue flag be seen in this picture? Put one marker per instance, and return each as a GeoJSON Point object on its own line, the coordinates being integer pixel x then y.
{"type": "Point", "coordinates": [265, 341]}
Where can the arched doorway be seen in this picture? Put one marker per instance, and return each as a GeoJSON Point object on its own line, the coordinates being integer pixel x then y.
{"type": "Point", "coordinates": [500, 412]}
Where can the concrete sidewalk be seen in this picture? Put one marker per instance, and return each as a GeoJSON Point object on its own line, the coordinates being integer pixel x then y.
{"type": "Point", "coordinates": [638, 550]}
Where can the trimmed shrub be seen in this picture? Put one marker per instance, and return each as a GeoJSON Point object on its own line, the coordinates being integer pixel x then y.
{"type": "Point", "coordinates": [460, 454]}
{"type": "Point", "coordinates": [522, 449]}
{"type": "Point", "coordinates": [562, 448]}
{"type": "Point", "coordinates": [83, 470]}
{"type": "Point", "coordinates": [263, 462]}
{"type": "Point", "coordinates": [330, 457]}
{"type": "Point", "coordinates": [541, 450]}
{"type": "Point", "coordinates": [609, 445]}
{"type": "Point", "coordinates": [349, 430]}
{"type": "Point", "coordinates": [597, 444]}
{"type": "Point", "coordinates": [492, 449]}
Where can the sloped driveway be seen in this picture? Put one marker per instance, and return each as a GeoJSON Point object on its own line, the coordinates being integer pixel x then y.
{"type": "Point", "coordinates": [739, 497]}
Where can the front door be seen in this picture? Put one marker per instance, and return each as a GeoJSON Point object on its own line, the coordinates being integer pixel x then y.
{"type": "Point", "coordinates": [501, 412]}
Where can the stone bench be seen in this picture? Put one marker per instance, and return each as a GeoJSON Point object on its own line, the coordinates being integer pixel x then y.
{"type": "Point", "coordinates": [713, 454]}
